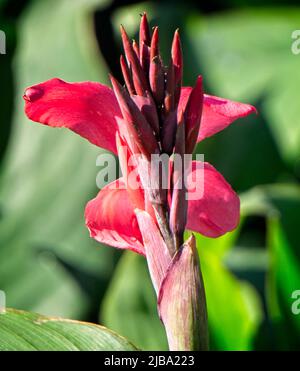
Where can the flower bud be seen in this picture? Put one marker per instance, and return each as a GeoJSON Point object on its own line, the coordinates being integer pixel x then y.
{"type": "Point", "coordinates": [136, 124]}
{"type": "Point", "coordinates": [181, 301]}
{"type": "Point", "coordinates": [139, 80]}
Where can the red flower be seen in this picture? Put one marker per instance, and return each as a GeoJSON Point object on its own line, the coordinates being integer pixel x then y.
{"type": "Point", "coordinates": [99, 113]}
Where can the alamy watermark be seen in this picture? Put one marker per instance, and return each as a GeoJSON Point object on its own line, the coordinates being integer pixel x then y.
{"type": "Point", "coordinates": [153, 173]}
{"type": "Point", "coordinates": [296, 302]}
{"type": "Point", "coordinates": [2, 42]}
{"type": "Point", "coordinates": [295, 48]}
{"type": "Point", "coordinates": [2, 301]}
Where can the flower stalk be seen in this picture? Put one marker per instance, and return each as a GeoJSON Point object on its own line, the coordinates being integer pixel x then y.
{"type": "Point", "coordinates": [152, 124]}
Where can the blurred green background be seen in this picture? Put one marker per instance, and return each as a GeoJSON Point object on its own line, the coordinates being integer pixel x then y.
{"type": "Point", "coordinates": [48, 264]}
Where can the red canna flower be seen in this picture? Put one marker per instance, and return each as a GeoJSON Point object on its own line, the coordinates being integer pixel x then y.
{"type": "Point", "coordinates": [92, 110]}
{"type": "Point", "coordinates": [152, 115]}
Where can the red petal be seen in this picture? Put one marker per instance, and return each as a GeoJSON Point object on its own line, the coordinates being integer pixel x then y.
{"type": "Point", "coordinates": [87, 108]}
{"type": "Point", "coordinates": [193, 114]}
{"type": "Point", "coordinates": [110, 218]}
{"type": "Point", "coordinates": [218, 113]}
{"type": "Point", "coordinates": [217, 211]}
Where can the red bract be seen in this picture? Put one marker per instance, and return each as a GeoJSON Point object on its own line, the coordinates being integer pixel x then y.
{"type": "Point", "coordinates": [144, 116]}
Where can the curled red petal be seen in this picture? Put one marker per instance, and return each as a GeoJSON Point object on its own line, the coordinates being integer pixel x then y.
{"type": "Point", "coordinates": [87, 108]}
{"type": "Point", "coordinates": [216, 207]}
{"type": "Point", "coordinates": [110, 218]}
{"type": "Point", "coordinates": [217, 114]}
{"type": "Point", "coordinates": [193, 115]}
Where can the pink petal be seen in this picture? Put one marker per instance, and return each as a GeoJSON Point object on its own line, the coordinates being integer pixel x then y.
{"type": "Point", "coordinates": [217, 209]}
{"type": "Point", "coordinates": [87, 108]}
{"type": "Point", "coordinates": [110, 218]}
{"type": "Point", "coordinates": [218, 113]}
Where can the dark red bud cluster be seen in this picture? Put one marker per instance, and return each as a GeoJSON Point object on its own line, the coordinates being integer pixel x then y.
{"type": "Point", "coordinates": [149, 105]}
{"type": "Point", "coordinates": [155, 91]}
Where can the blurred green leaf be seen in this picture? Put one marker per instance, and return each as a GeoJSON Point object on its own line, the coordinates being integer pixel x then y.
{"type": "Point", "coordinates": [246, 55]}
{"type": "Point", "coordinates": [130, 305]}
{"type": "Point", "coordinates": [7, 26]}
{"type": "Point", "coordinates": [234, 309]}
{"type": "Point", "coordinates": [284, 276]}
{"type": "Point", "coordinates": [50, 174]}
{"type": "Point", "coordinates": [281, 206]}
{"type": "Point", "coordinates": [29, 331]}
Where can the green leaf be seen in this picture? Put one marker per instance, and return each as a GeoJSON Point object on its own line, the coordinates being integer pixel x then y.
{"type": "Point", "coordinates": [29, 331]}
{"type": "Point", "coordinates": [281, 206]}
{"type": "Point", "coordinates": [284, 277]}
{"type": "Point", "coordinates": [130, 305]}
{"type": "Point", "coordinates": [246, 55]}
{"type": "Point", "coordinates": [234, 309]}
{"type": "Point", "coordinates": [49, 175]}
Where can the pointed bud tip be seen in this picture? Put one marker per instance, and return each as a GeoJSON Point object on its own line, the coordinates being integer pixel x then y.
{"type": "Point", "coordinates": [197, 91]}
{"type": "Point", "coordinates": [115, 83]}
{"type": "Point", "coordinates": [155, 37]}
{"type": "Point", "coordinates": [200, 79]}
{"type": "Point", "coordinates": [154, 51]}
{"type": "Point", "coordinates": [144, 35]}
{"type": "Point", "coordinates": [177, 50]}
{"type": "Point", "coordinates": [176, 38]}
{"type": "Point", "coordinates": [191, 241]}
{"type": "Point", "coordinates": [136, 48]}
{"type": "Point", "coordinates": [123, 33]}
{"type": "Point", "coordinates": [144, 20]}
